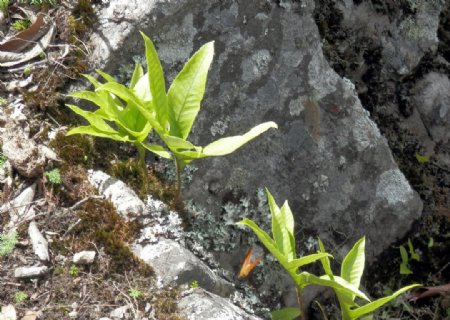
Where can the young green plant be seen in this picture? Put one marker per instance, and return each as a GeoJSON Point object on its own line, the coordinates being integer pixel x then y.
{"type": "Point", "coordinates": [146, 105]}
{"type": "Point", "coordinates": [352, 269]}
{"type": "Point", "coordinates": [282, 247]}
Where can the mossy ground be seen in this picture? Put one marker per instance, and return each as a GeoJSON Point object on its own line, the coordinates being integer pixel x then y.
{"type": "Point", "coordinates": [94, 290]}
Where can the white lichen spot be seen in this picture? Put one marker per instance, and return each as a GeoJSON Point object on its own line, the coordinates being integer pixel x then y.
{"type": "Point", "coordinates": [296, 106]}
{"type": "Point", "coordinates": [394, 188]}
{"type": "Point", "coordinates": [219, 127]}
{"type": "Point", "coordinates": [257, 65]}
{"type": "Point", "coordinates": [365, 132]}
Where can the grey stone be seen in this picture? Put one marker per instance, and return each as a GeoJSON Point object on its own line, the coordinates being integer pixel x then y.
{"type": "Point", "coordinates": [84, 257]}
{"type": "Point", "coordinates": [8, 313]}
{"type": "Point", "coordinates": [174, 265]}
{"type": "Point", "coordinates": [432, 99]}
{"type": "Point", "coordinates": [23, 154]}
{"type": "Point", "coordinates": [119, 313]}
{"type": "Point", "coordinates": [124, 199]}
{"type": "Point", "coordinates": [19, 207]}
{"type": "Point", "coordinates": [327, 157]}
{"type": "Point", "coordinates": [266, 69]}
{"type": "Point", "coordinates": [40, 244]}
{"type": "Point", "coordinates": [202, 305]}
{"type": "Point", "coordinates": [30, 272]}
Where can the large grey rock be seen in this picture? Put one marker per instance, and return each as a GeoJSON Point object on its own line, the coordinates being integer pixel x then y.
{"type": "Point", "coordinates": [203, 305]}
{"type": "Point", "coordinates": [174, 265]}
{"type": "Point", "coordinates": [328, 158]}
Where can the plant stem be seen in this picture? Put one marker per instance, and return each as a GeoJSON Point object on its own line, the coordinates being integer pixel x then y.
{"type": "Point", "coordinates": [300, 303]}
{"type": "Point", "coordinates": [178, 168]}
{"type": "Point", "coordinates": [141, 151]}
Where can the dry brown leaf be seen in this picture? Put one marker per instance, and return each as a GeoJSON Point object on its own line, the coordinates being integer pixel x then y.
{"type": "Point", "coordinates": [430, 292]}
{"type": "Point", "coordinates": [22, 39]}
{"type": "Point", "coordinates": [39, 47]}
{"type": "Point", "coordinates": [32, 315]}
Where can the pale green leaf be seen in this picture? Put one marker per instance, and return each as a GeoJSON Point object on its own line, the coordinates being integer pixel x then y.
{"type": "Point", "coordinates": [414, 255]}
{"type": "Point", "coordinates": [300, 262]}
{"type": "Point", "coordinates": [107, 106]}
{"type": "Point", "coordinates": [288, 219]}
{"type": "Point", "coordinates": [337, 283]}
{"type": "Point", "coordinates": [157, 85]}
{"type": "Point", "coordinates": [372, 306]}
{"type": "Point", "coordinates": [267, 241]}
{"type": "Point", "coordinates": [325, 261]}
{"type": "Point", "coordinates": [157, 149]}
{"type": "Point", "coordinates": [92, 80]}
{"type": "Point", "coordinates": [230, 144]}
{"type": "Point", "coordinates": [286, 314]}
{"type": "Point", "coordinates": [105, 76]}
{"type": "Point", "coordinates": [129, 96]}
{"type": "Point", "coordinates": [142, 90]}
{"type": "Point", "coordinates": [187, 90]}
{"type": "Point", "coordinates": [97, 133]}
{"type": "Point", "coordinates": [352, 267]}
{"type": "Point", "coordinates": [138, 73]}
{"type": "Point", "coordinates": [94, 120]}
{"type": "Point", "coordinates": [404, 269]}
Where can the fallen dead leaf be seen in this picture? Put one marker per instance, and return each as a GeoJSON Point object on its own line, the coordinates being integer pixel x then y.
{"type": "Point", "coordinates": [430, 292]}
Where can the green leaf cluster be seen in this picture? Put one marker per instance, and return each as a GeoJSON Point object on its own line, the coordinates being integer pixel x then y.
{"type": "Point", "coordinates": [346, 286]}
{"type": "Point", "coordinates": [53, 176]}
{"type": "Point", "coordinates": [128, 114]}
{"type": "Point", "coordinates": [8, 242]}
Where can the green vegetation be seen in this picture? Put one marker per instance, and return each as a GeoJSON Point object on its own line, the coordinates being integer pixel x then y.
{"type": "Point", "coordinates": [146, 105]}
{"type": "Point", "coordinates": [21, 24]}
{"type": "Point", "coordinates": [20, 296]}
{"type": "Point", "coordinates": [4, 6]}
{"type": "Point", "coordinates": [40, 2]}
{"type": "Point", "coordinates": [53, 176]}
{"type": "Point", "coordinates": [27, 70]}
{"type": "Point", "coordinates": [8, 242]}
{"type": "Point", "coordinates": [193, 284]}
{"type": "Point", "coordinates": [3, 160]}
{"type": "Point", "coordinates": [346, 286]}
{"type": "Point", "coordinates": [74, 271]}
{"type": "Point", "coordinates": [134, 293]}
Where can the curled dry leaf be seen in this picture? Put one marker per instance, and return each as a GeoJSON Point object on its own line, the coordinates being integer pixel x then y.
{"type": "Point", "coordinates": [430, 292]}
{"type": "Point", "coordinates": [38, 37]}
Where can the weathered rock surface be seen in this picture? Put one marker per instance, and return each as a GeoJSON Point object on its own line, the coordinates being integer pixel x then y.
{"type": "Point", "coordinates": [30, 272]}
{"type": "Point", "coordinates": [405, 34]}
{"type": "Point", "coordinates": [23, 154]}
{"type": "Point", "coordinates": [203, 305]}
{"type": "Point", "coordinates": [432, 99]}
{"type": "Point", "coordinates": [19, 207]}
{"type": "Point", "coordinates": [174, 265]}
{"type": "Point", "coordinates": [40, 244]}
{"type": "Point", "coordinates": [84, 257]}
{"type": "Point", "coordinates": [8, 313]}
{"type": "Point", "coordinates": [124, 199]}
{"type": "Point", "coordinates": [328, 158]}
